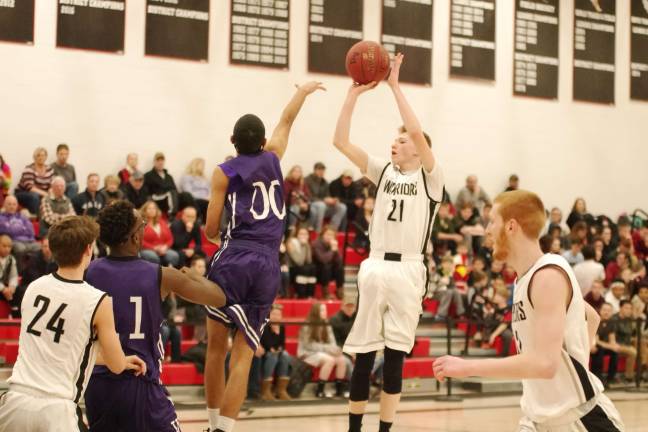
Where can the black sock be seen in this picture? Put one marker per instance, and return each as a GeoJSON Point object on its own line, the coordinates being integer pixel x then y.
{"type": "Point", "coordinates": [355, 422]}
{"type": "Point", "coordinates": [384, 426]}
{"type": "Point", "coordinates": [320, 386]}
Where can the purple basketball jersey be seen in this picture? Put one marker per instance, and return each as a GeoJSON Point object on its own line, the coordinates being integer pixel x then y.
{"type": "Point", "coordinates": [134, 285]}
{"type": "Point", "coordinates": [255, 199]}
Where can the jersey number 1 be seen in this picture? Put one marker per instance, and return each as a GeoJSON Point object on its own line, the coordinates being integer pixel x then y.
{"type": "Point", "coordinates": [137, 333]}
{"type": "Point", "coordinates": [55, 324]}
{"type": "Point", "coordinates": [396, 205]}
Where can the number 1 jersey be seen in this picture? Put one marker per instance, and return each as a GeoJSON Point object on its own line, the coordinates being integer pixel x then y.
{"type": "Point", "coordinates": [57, 337]}
{"type": "Point", "coordinates": [134, 285]}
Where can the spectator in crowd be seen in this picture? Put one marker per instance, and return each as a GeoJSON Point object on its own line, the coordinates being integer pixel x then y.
{"type": "Point", "coordinates": [323, 205]}
{"type": "Point", "coordinates": [578, 213]}
{"type": "Point", "coordinates": [8, 274]}
{"type": "Point", "coordinates": [496, 270]}
{"type": "Point", "coordinates": [445, 235]}
{"type": "Point", "coordinates": [485, 217]}
{"type": "Point", "coordinates": [467, 224]}
{"type": "Point", "coordinates": [624, 227]}
{"type": "Point", "coordinates": [555, 219]}
{"type": "Point", "coordinates": [614, 268]}
{"type": "Point", "coordinates": [35, 182]}
{"type": "Point", "coordinates": [486, 250]}
{"type": "Point", "coordinates": [579, 234]}
{"type": "Point", "coordinates": [361, 224]}
{"type": "Point", "coordinates": [5, 180]}
{"type": "Point", "coordinates": [300, 262]}
{"type": "Point", "coordinates": [624, 331]}
{"type": "Point", "coordinates": [640, 301]}
{"type": "Point", "coordinates": [276, 361]}
{"type": "Point", "coordinates": [546, 242]}
{"type": "Point", "coordinates": [131, 166]}
{"type": "Point", "coordinates": [40, 265]}
{"type": "Point", "coordinates": [328, 262]}
{"type": "Point", "coordinates": [317, 348]}
{"type": "Point", "coordinates": [157, 239]}
{"type": "Point", "coordinates": [90, 202]}
{"type": "Point", "coordinates": [196, 183]}
{"type": "Point", "coordinates": [597, 244]}
{"type": "Point", "coordinates": [513, 183]}
{"type": "Point", "coordinates": [574, 255]}
{"type": "Point", "coordinates": [499, 321]}
{"type": "Point", "coordinates": [161, 186]}
{"type": "Point", "coordinates": [448, 292]}
{"type": "Point", "coordinates": [63, 169]}
{"type": "Point", "coordinates": [296, 196]}
{"type": "Point", "coordinates": [594, 295]}
{"type": "Point", "coordinates": [343, 320]}
{"type": "Point", "coordinates": [556, 247]}
{"type": "Point", "coordinates": [135, 190]}
{"type": "Point", "coordinates": [346, 191]}
{"type": "Point", "coordinates": [55, 207]}
{"type": "Point", "coordinates": [640, 241]}
{"type": "Point", "coordinates": [169, 330]}
{"type": "Point", "coordinates": [366, 188]}
{"type": "Point", "coordinates": [195, 314]}
{"type": "Point", "coordinates": [616, 293]}
{"type": "Point", "coordinates": [19, 228]}
{"type": "Point", "coordinates": [609, 245]}
{"type": "Point", "coordinates": [589, 270]}
{"type": "Point", "coordinates": [605, 345]}
{"type": "Point", "coordinates": [472, 194]}
{"type": "Point", "coordinates": [185, 230]}
{"type": "Point", "coordinates": [111, 191]}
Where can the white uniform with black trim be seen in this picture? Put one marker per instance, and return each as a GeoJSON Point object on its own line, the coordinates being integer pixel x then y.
{"type": "Point", "coordinates": [573, 399]}
{"type": "Point", "coordinates": [391, 290]}
{"type": "Point", "coordinates": [56, 356]}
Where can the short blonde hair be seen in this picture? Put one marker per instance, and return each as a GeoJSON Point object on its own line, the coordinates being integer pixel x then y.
{"type": "Point", "coordinates": [39, 150]}
{"type": "Point", "coordinates": [195, 169]}
{"type": "Point", "coordinates": [526, 208]}
{"type": "Point", "coordinates": [111, 179]}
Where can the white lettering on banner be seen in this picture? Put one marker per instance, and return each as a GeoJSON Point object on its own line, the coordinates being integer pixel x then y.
{"type": "Point", "coordinates": [8, 3]}
{"type": "Point", "coordinates": [269, 201]}
{"type": "Point", "coordinates": [96, 4]}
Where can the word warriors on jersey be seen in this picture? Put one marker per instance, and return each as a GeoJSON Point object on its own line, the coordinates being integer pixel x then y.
{"type": "Point", "coordinates": [518, 312]}
{"type": "Point", "coordinates": [392, 188]}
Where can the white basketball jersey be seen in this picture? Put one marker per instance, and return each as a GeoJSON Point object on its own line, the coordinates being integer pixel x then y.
{"type": "Point", "coordinates": [57, 346]}
{"type": "Point", "coordinates": [406, 204]}
{"type": "Point", "coordinates": [573, 384]}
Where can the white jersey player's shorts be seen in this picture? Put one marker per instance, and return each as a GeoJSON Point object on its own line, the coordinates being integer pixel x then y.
{"type": "Point", "coordinates": [598, 414]}
{"type": "Point", "coordinates": [28, 413]}
{"type": "Point", "coordinates": [389, 304]}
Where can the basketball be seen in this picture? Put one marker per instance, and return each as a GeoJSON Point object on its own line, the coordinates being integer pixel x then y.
{"type": "Point", "coordinates": [367, 61]}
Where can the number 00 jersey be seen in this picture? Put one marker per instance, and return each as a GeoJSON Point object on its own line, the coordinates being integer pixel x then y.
{"type": "Point", "coordinates": [57, 341]}
{"type": "Point", "coordinates": [573, 384]}
{"type": "Point", "coordinates": [406, 204]}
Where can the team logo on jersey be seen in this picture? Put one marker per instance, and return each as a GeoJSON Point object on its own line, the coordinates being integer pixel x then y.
{"type": "Point", "coordinates": [392, 188]}
{"type": "Point", "coordinates": [518, 312]}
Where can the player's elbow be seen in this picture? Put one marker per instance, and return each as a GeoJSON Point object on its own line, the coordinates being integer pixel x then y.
{"type": "Point", "coordinates": [217, 298]}
{"type": "Point", "coordinates": [547, 368]}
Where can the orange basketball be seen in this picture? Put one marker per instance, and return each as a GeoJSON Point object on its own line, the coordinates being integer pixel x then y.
{"type": "Point", "coordinates": [367, 61]}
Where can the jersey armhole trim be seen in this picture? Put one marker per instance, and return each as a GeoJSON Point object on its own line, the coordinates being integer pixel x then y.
{"type": "Point", "coordinates": [382, 174]}
{"type": "Point", "coordinates": [94, 312]}
{"type": "Point", "coordinates": [426, 188]}
{"type": "Point", "coordinates": [564, 273]}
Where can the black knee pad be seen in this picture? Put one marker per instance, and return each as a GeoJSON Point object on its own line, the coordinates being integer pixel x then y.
{"type": "Point", "coordinates": [360, 379]}
{"type": "Point", "coordinates": [393, 371]}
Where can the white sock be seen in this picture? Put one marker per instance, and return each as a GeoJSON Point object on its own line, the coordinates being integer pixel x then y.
{"type": "Point", "coordinates": [213, 414]}
{"type": "Point", "coordinates": [226, 424]}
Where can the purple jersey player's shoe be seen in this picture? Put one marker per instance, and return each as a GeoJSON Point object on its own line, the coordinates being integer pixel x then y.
{"type": "Point", "coordinates": [247, 265]}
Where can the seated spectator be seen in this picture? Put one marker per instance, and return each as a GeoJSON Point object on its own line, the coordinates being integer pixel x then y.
{"type": "Point", "coordinates": [467, 224]}
{"type": "Point", "coordinates": [589, 270]}
{"type": "Point", "coordinates": [445, 235]}
{"type": "Point", "coordinates": [55, 207]}
{"type": "Point", "coordinates": [35, 182]}
{"type": "Point", "coordinates": [90, 202]}
{"type": "Point", "coordinates": [594, 295]}
{"type": "Point", "coordinates": [614, 268]}
{"type": "Point", "coordinates": [328, 262]}
{"type": "Point", "coordinates": [346, 191]}
{"type": "Point", "coordinates": [485, 218]}
{"type": "Point", "coordinates": [39, 265]}
{"type": "Point", "coordinates": [640, 241]}
{"type": "Point", "coordinates": [297, 196]}
{"type": "Point", "coordinates": [131, 166]}
{"type": "Point", "coordinates": [546, 242]}
{"type": "Point", "coordinates": [447, 290]}
{"type": "Point", "coordinates": [472, 194]}
{"type": "Point", "coordinates": [478, 286]}
{"type": "Point", "coordinates": [640, 301]}
{"type": "Point", "coordinates": [609, 245]}
{"type": "Point", "coordinates": [555, 220]}
{"type": "Point", "coordinates": [323, 205]}
{"type": "Point", "coordinates": [300, 262]}
{"type": "Point", "coordinates": [63, 169]}
{"type": "Point", "coordinates": [597, 244]}
{"type": "Point", "coordinates": [366, 188]}
{"type": "Point", "coordinates": [111, 191]}
{"type": "Point", "coordinates": [361, 224]}
{"type": "Point", "coordinates": [508, 274]}
{"type": "Point", "coordinates": [556, 246]}
{"type": "Point", "coordinates": [8, 275]}
{"type": "Point", "coordinates": [578, 213]}
{"type": "Point", "coordinates": [605, 345]}
{"type": "Point", "coordinates": [317, 348]}
{"type": "Point", "coordinates": [513, 183]}
{"type": "Point", "coordinates": [624, 330]}
{"type": "Point", "coordinates": [157, 239]}
{"type": "Point", "coordinates": [161, 186]}
{"type": "Point", "coordinates": [169, 330]}
{"type": "Point", "coordinates": [5, 180]}
{"type": "Point", "coordinates": [276, 361]}
{"type": "Point", "coordinates": [616, 293]}
{"type": "Point", "coordinates": [197, 185]}
{"type": "Point", "coordinates": [284, 268]}
{"type": "Point", "coordinates": [496, 270]}
{"type": "Point", "coordinates": [486, 250]}
{"type": "Point", "coordinates": [186, 230]}
{"type": "Point", "coordinates": [135, 190]}
{"type": "Point", "coordinates": [195, 314]}
{"type": "Point", "coordinates": [624, 228]}
{"type": "Point", "coordinates": [579, 233]}
{"type": "Point", "coordinates": [498, 322]}
{"type": "Point", "coordinates": [574, 255]}
{"type": "Point", "coordinates": [20, 229]}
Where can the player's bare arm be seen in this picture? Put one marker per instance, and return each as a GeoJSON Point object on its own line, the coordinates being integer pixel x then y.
{"type": "Point", "coordinates": [410, 121]}
{"type": "Point", "coordinates": [538, 362]}
{"type": "Point", "coordinates": [341, 139]}
{"type": "Point", "coordinates": [219, 185]}
{"type": "Point", "coordinates": [279, 140]}
{"type": "Point", "coordinates": [191, 286]}
{"type": "Point", "coordinates": [111, 353]}
{"type": "Point", "coordinates": [593, 320]}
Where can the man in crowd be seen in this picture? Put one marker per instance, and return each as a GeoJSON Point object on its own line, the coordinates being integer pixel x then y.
{"type": "Point", "coordinates": [90, 202]}
{"type": "Point", "coordinates": [472, 194]}
{"type": "Point", "coordinates": [55, 207]}
{"type": "Point", "coordinates": [63, 169]}
{"type": "Point", "coordinates": [323, 204]}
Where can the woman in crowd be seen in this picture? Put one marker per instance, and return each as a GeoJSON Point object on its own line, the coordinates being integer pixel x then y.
{"type": "Point", "coordinates": [157, 240]}
{"type": "Point", "coordinates": [19, 228]}
{"type": "Point", "coordinates": [328, 262]}
{"type": "Point", "coordinates": [302, 269]}
{"type": "Point", "coordinates": [276, 361]}
{"type": "Point", "coordinates": [35, 182]}
{"type": "Point", "coordinates": [197, 185]}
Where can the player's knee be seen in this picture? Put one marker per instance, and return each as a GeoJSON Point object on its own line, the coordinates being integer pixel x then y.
{"type": "Point", "coordinates": [327, 360]}
{"type": "Point", "coordinates": [359, 390]}
{"type": "Point", "coordinates": [393, 371]}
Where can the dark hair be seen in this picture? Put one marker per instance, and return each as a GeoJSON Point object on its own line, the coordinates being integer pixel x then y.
{"type": "Point", "coordinates": [69, 238]}
{"type": "Point", "coordinates": [588, 252]}
{"type": "Point", "coordinates": [578, 226]}
{"type": "Point", "coordinates": [479, 276]}
{"type": "Point", "coordinates": [116, 223]}
{"type": "Point", "coordinates": [62, 147]}
{"type": "Point", "coordinates": [545, 243]}
{"type": "Point", "coordinates": [196, 258]}
{"type": "Point", "coordinates": [624, 302]}
{"type": "Point", "coordinates": [427, 137]}
{"type": "Point", "coordinates": [3, 235]}
{"type": "Point", "coordinates": [249, 134]}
